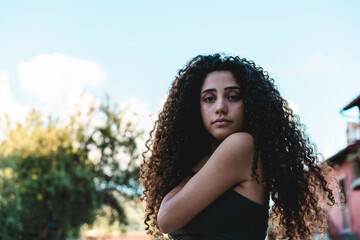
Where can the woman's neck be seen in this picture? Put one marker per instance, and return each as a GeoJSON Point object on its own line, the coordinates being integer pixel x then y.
{"type": "Point", "coordinates": [214, 144]}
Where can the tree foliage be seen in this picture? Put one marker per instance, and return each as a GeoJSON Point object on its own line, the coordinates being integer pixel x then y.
{"type": "Point", "coordinates": [56, 175]}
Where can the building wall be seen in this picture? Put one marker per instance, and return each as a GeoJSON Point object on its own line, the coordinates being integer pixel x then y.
{"type": "Point", "coordinates": [345, 171]}
{"type": "Point", "coordinates": [355, 210]}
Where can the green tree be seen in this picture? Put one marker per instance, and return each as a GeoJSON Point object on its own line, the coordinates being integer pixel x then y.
{"type": "Point", "coordinates": [9, 203]}
{"type": "Point", "coordinates": [49, 183]}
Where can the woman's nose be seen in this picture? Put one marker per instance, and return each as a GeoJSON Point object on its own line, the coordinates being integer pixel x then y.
{"type": "Point", "coordinates": [220, 107]}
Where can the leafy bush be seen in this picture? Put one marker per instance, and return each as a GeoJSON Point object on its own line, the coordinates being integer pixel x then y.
{"type": "Point", "coordinates": [49, 183]}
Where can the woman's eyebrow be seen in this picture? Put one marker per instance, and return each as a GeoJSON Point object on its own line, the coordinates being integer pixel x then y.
{"type": "Point", "coordinates": [225, 88]}
{"type": "Point", "coordinates": [209, 90]}
{"type": "Point", "coordinates": [232, 88]}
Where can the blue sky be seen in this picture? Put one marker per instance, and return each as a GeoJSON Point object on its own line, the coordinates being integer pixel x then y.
{"type": "Point", "coordinates": [132, 49]}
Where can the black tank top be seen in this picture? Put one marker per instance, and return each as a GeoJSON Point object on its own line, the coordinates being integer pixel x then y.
{"type": "Point", "coordinates": [231, 216]}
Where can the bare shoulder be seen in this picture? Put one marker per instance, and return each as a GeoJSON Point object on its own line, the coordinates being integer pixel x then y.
{"type": "Point", "coordinates": [236, 152]}
{"type": "Point", "coordinates": [241, 138]}
{"type": "Point", "coordinates": [238, 143]}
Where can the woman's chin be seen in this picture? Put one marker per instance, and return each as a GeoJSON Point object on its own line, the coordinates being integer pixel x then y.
{"type": "Point", "coordinates": [220, 137]}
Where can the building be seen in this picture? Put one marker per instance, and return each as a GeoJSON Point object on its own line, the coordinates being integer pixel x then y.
{"type": "Point", "coordinates": [344, 219]}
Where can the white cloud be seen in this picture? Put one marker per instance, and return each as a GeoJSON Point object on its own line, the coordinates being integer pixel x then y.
{"type": "Point", "coordinates": [318, 62]}
{"type": "Point", "coordinates": [4, 87]}
{"type": "Point", "coordinates": [57, 77]}
{"type": "Point", "coordinates": [9, 106]}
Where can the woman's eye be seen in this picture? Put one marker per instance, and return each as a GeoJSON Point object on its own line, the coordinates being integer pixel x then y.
{"type": "Point", "coordinates": [208, 99]}
{"type": "Point", "coordinates": [234, 97]}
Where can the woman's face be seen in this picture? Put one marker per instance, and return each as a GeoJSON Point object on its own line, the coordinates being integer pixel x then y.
{"type": "Point", "coordinates": [221, 104]}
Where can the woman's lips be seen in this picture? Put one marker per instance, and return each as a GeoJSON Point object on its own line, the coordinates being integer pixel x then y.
{"type": "Point", "coordinates": [221, 122]}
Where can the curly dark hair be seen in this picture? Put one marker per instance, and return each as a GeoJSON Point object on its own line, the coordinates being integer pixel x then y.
{"type": "Point", "coordinates": [297, 183]}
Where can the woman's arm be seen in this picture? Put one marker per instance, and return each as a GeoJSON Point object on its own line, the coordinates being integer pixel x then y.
{"type": "Point", "coordinates": [229, 164]}
{"type": "Point", "coordinates": [176, 189]}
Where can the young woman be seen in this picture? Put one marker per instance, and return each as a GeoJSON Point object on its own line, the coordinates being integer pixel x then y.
{"type": "Point", "coordinates": [224, 143]}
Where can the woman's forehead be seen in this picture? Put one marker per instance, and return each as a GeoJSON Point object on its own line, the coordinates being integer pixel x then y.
{"type": "Point", "coordinates": [219, 79]}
